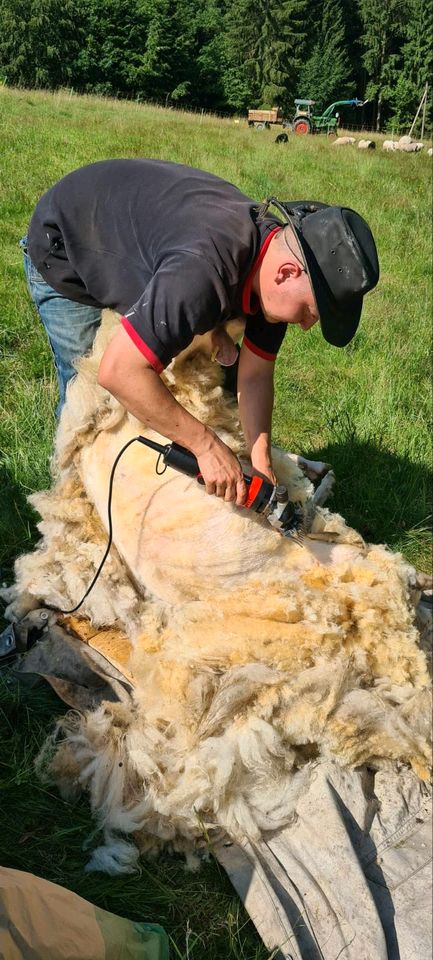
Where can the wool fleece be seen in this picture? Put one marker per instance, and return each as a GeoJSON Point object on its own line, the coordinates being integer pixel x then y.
{"type": "Point", "coordinates": [254, 659]}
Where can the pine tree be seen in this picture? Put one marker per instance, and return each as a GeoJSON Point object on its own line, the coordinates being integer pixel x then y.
{"type": "Point", "coordinates": [116, 32]}
{"type": "Point", "coordinates": [39, 42]}
{"type": "Point", "coordinates": [417, 67]}
{"type": "Point", "coordinates": [165, 64]}
{"type": "Point", "coordinates": [326, 75]}
{"type": "Point", "coordinates": [353, 30]}
{"type": "Point", "coordinates": [283, 44]}
{"type": "Point", "coordinates": [381, 41]}
{"type": "Point", "coordinates": [263, 46]}
{"type": "Point", "coordinates": [241, 30]}
{"type": "Point", "coordinates": [207, 88]}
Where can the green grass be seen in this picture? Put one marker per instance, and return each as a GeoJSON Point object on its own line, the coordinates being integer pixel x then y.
{"type": "Point", "coordinates": [45, 835]}
{"type": "Point", "coordinates": [366, 409]}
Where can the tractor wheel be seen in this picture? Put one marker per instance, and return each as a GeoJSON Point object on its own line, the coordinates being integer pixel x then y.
{"type": "Point", "coordinates": [302, 125]}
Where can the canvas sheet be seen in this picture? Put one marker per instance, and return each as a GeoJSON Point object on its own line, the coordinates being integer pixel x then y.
{"type": "Point", "coordinates": [349, 878]}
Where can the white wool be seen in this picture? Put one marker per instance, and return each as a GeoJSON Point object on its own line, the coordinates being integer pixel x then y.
{"type": "Point", "coordinates": [115, 857]}
{"type": "Point", "coordinates": [253, 658]}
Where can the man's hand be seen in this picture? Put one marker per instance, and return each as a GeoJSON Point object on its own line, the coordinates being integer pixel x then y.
{"type": "Point", "coordinates": [265, 470]}
{"type": "Point", "coordinates": [221, 471]}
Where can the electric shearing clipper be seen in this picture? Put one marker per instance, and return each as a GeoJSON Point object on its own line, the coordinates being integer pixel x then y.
{"type": "Point", "coordinates": [272, 502]}
{"type": "Point", "coordinates": [263, 497]}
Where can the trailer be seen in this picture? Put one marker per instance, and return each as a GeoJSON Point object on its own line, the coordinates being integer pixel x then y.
{"type": "Point", "coordinates": [262, 119]}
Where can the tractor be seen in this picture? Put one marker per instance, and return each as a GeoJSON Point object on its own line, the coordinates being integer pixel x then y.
{"type": "Point", "coordinates": [305, 121]}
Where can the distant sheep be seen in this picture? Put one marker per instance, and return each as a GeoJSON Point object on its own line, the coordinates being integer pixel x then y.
{"type": "Point", "coordinates": [430, 152]}
{"type": "Point", "coordinates": [344, 141]}
{"type": "Point", "coordinates": [408, 145]}
{"type": "Point", "coordinates": [404, 144]}
{"type": "Point", "coordinates": [366, 145]}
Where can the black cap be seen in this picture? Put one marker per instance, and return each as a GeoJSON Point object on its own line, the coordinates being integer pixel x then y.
{"type": "Point", "coordinates": [340, 258]}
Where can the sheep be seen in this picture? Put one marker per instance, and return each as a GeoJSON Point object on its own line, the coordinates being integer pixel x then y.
{"type": "Point", "coordinates": [405, 144]}
{"type": "Point", "coordinates": [251, 653]}
{"type": "Point", "coordinates": [411, 147]}
{"type": "Point", "coordinates": [344, 141]}
{"type": "Point", "coordinates": [366, 145]}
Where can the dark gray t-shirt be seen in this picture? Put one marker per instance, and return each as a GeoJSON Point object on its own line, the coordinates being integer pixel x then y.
{"type": "Point", "coordinates": [172, 248]}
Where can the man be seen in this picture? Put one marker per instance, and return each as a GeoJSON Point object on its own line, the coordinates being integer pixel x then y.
{"type": "Point", "coordinates": [178, 251]}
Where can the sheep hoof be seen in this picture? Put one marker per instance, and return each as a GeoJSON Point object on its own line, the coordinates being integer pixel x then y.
{"type": "Point", "coordinates": [313, 469]}
{"type": "Point", "coordinates": [324, 490]}
{"type": "Point", "coordinates": [423, 581]}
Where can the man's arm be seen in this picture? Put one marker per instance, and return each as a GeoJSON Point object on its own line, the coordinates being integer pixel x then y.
{"type": "Point", "coordinates": [256, 400]}
{"type": "Point", "coordinates": [131, 378]}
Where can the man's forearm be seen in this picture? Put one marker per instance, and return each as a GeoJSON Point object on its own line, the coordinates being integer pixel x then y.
{"type": "Point", "coordinates": [147, 397]}
{"type": "Point", "coordinates": [144, 394]}
{"type": "Point", "coordinates": [256, 399]}
{"type": "Point", "coordinates": [131, 379]}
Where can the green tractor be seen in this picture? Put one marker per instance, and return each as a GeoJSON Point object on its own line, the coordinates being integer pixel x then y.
{"type": "Point", "coordinates": [305, 121]}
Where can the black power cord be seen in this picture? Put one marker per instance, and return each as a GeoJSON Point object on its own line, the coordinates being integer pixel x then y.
{"type": "Point", "coordinates": [110, 525]}
{"type": "Point", "coordinates": [181, 459]}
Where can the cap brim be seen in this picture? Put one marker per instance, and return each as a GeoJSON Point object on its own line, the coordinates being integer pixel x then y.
{"type": "Point", "coordinates": [339, 322]}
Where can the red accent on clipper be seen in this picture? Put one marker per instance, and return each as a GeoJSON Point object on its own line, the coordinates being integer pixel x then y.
{"type": "Point", "coordinates": [254, 489]}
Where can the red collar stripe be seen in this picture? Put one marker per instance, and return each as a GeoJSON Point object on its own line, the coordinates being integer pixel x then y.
{"type": "Point", "coordinates": [246, 292]}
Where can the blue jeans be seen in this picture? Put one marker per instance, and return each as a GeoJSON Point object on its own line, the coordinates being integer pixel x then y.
{"type": "Point", "coordinates": [71, 327]}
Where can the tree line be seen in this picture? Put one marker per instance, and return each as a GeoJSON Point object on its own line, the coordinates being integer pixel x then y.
{"type": "Point", "coordinates": [227, 55]}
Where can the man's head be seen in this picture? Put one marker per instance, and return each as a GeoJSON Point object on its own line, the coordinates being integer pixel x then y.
{"type": "Point", "coordinates": [319, 266]}
{"type": "Point", "coordinates": [282, 283]}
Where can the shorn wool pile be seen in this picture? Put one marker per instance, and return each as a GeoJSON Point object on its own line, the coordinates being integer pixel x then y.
{"type": "Point", "coordinates": [254, 658]}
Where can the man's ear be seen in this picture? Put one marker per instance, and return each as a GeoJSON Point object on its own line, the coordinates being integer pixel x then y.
{"type": "Point", "coordinates": [289, 270]}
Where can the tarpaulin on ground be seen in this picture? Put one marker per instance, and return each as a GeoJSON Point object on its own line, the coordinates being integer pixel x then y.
{"type": "Point", "coordinates": [350, 877]}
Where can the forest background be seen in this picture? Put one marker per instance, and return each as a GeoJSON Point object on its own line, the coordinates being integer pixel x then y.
{"type": "Point", "coordinates": [226, 56]}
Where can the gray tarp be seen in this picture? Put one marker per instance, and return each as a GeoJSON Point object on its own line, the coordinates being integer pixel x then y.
{"type": "Point", "coordinates": [349, 879]}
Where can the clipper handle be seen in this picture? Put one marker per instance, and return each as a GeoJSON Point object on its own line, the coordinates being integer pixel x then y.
{"type": "Point", "coordinates": [260, 491]}
{"type": "Point", "coordinates": [182, 460]}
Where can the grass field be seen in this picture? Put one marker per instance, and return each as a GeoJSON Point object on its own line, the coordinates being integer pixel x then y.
{"type": "Point", "coordinates": [366, 409]}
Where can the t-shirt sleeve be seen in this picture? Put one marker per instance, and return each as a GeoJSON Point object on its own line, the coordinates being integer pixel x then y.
{"type": "Point", "coordinates": [263, 338]}
{"type": "Point", "coordinates": [185, 297]}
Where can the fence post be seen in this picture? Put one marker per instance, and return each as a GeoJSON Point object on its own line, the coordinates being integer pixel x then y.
{"type": "Point", "coordinates": [424, 111]}
{"type": "Point", "coordinates": [421, 103]}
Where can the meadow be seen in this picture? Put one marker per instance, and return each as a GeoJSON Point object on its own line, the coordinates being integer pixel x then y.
{"type": "Point", "coordinates": [365, 409]}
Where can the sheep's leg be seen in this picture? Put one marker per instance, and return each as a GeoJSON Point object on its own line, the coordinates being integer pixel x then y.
{"type": "Point", "coordinates": [313, 469]}
{"type": "Point", "coordinates": [324, 490]}
{"type": "Point", "coordinates": [424, 581]}
{"type": "Point", "coordinates": [321, 494]}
